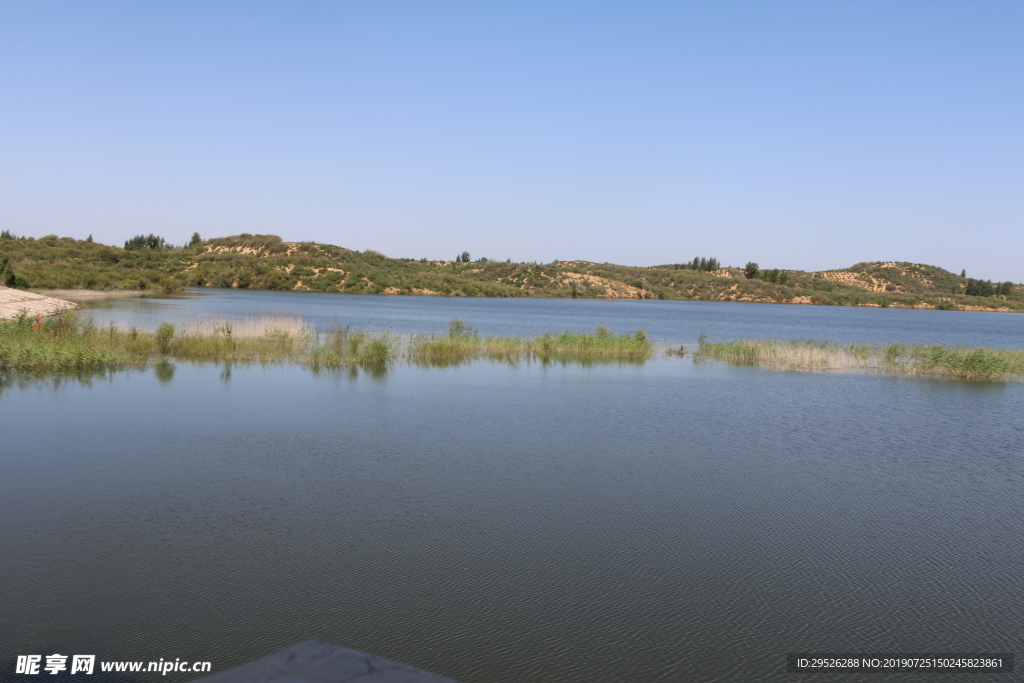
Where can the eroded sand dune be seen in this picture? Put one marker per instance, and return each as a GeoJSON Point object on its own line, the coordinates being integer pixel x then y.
{"type": "Point", "coordinates": [13, 301]}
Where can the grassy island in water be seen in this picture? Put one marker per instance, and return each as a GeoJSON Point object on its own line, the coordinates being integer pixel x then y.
{"type": "Point", "coordinates": [898, 359]}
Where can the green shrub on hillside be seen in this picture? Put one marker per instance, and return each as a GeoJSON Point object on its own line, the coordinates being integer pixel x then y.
{"type": "Point", "coordinates": [265, 262]}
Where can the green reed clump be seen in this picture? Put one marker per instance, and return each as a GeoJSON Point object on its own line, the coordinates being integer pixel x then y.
{"type": "Point", "coordinates": [163, 337]}
{"type": "Point", "coordinates": [968, 363]}
{"type": "Point", "coordinates": [463, 348]}
{"type": "Point", "coordinates": [60, 343]}
{"type": "Point", "coordinates": [342, 346]}
{"type": "Point", "coordinates": [792, 355]}
{"type": "Point", "coordinates": [66, 342]}
{"type": "Point", "coordinates": [463, 343]}
{"type": "Point", "coordinates": [902, 359]}
{"type": "Point", "coordinates": [599, 344]}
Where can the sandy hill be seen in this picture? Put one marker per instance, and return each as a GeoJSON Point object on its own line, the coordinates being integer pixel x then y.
{"type": "Point", "coordinates": [267, 262]}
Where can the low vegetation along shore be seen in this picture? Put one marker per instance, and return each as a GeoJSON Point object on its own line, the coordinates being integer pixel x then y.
{"type": "Point", "coordinates": [68, 343]}
{"type": "Point", "coordinates": [899, 359]}
{"type": "Point", "coordinates": [148, 263]}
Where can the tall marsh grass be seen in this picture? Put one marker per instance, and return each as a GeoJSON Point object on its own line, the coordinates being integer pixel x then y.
{"type": "Point", "coordinates": [62, 343]}
{"type": "Point", "coordinates": [901, 359]}
{"type": "Point", "coordinates": [463, 344]}
{"type": "Point", "coordinates": [250, 327]}
{"type": "Point", "coordinates": [342, 346]}
{"type": "Point", "coordinates": [67, 342]}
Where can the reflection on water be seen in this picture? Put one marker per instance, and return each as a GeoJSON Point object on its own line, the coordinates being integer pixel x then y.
{"type": "Point", "coordinates": [164, 371]}
{"type": "Point", "coordinates": [543, 361]}
{"type": "Point", "coordinates": [56, 380]}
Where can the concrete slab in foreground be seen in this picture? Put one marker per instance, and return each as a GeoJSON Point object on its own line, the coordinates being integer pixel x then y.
{"type": "Point", "coordinates": [315, 661]}
{"type": "Point", "coordinates": [14, 301]}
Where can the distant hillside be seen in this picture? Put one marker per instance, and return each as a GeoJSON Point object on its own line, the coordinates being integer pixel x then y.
{"type": "Point", "coordinates": [266, 262]}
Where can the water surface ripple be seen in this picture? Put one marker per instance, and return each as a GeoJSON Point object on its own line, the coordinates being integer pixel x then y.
{"type": "Point", "coordinates": [665, 521]}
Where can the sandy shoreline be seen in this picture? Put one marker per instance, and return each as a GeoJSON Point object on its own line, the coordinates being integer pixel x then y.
{"type": "Point", "coordinates": [14, 301]}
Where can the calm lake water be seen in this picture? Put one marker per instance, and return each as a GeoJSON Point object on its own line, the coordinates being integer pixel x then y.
{"type": "Point", "coordinates": [671, 321]}
{"type": "Point", "coordinates": [612, 522]}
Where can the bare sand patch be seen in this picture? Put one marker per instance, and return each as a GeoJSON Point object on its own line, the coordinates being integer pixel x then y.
{"type": "Point", "coordinates": [613, 288]}
{"type": "Point", "coordinates": [237, 250]}
{"type": "Point", "coordinates": [861, 280]}
{"type": "Point", "coordinates": [14, 301]}
{"type": "Point", "coordinates": [987, 309]}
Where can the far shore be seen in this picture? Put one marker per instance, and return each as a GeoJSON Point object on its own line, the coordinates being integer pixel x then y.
{"type": "Point", "coordinates": [97, 294]}
{"type": "Point", "coordinates": [148, 266]}
{"type": "Point", "coordinates": [90, 294]}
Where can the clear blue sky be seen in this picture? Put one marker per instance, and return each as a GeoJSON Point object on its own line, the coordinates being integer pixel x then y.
{"type": "Point", "coordinates": [805, 135]}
